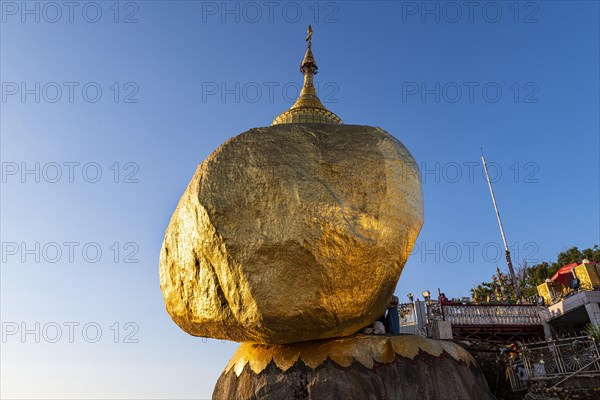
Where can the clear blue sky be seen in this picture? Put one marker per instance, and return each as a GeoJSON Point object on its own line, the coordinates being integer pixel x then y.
{"type": "Point", "coordinates": [520, 81]}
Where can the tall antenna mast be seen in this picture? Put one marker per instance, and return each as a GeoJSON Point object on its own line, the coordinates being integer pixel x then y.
{"type": "Point", "coordinates": [508, 260]}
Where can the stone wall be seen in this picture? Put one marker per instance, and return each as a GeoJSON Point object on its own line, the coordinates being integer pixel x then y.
{"type": "Point", "coordinates": [575, 388]}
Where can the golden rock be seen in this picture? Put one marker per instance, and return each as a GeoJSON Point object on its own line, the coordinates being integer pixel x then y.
{"type": "Point", "coordinates": [291, 233]}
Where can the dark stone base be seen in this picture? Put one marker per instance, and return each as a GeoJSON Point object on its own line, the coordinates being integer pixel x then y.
{"type": "Point", "coordinates": [575, 388]}
{"type": "Point", "coordinates": [424, 378]}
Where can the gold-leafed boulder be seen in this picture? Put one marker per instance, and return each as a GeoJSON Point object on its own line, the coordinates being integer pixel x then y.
{"type": "Point", "coordinates": [292, 232]}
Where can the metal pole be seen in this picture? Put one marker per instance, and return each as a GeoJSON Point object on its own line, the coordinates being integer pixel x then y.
{"type": "Point", "coordinates": [508, 260]}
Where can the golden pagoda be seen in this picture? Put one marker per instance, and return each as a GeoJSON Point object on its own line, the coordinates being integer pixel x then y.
{"type": "Point", "coordinates": [308, 109]}
{"type": "Point", "coordinates": [291, 239]}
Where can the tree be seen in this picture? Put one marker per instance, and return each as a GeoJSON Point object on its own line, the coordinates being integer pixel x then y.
{"type": "Point", "coordinates": [592, 254]}
{"type": "Point", "coordinates": [482, 292]}
{"type": "Point", "coordinates": [529, 277]}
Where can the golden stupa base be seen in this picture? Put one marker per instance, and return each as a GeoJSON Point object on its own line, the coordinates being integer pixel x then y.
{"type": "Point", "coordinates": [364, 349]}
{"type": "Point", "coordinates": [355, 367]}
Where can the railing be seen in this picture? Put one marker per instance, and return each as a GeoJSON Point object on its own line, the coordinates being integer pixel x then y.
{"type": "Point", "coordinates": [553, 359]}
{"type": "Point", "coordinates": [491, 314]}
{"type": "Point", "coordinates": [418, 318]}
{"type": "Point", "coordinates": [517, 375]}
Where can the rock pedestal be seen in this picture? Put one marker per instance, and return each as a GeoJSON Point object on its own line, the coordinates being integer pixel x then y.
{"type": "Point", "coordinates": [356, 367]}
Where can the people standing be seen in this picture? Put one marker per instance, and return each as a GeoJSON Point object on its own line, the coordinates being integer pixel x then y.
{"type": "Point", "coordinates": [392, 318]}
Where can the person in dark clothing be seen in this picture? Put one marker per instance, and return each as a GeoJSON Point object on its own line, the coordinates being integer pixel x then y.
{"type": "Point", "coordinates": [392, 318]}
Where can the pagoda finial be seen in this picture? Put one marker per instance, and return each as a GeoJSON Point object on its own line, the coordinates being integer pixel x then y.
{"type": "Point", "coordinates": [308, 63]}
{"type": "Point", "coordinates": [308, 108]}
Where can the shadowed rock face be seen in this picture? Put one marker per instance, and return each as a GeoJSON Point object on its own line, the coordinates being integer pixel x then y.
{"type": "Point", "coordinates": [292, 233]}
{"type": "Point", "coordinates": [425, 378]}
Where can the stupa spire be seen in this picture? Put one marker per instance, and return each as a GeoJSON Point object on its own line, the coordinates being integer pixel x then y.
{"type": "Point", "coordinates": [308, 109]}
